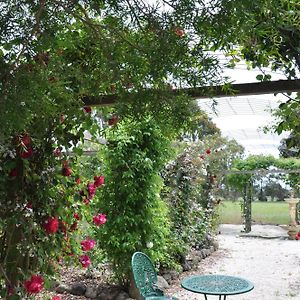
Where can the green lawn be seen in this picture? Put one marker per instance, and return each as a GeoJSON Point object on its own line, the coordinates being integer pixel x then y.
{"type": "Point", "coordinates": [262, 212]}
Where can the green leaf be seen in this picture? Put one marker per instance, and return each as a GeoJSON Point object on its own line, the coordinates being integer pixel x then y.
{"type": "Point", "coordinates": [260, 77]}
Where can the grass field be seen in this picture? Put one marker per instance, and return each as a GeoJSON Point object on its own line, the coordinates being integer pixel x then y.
{"type": "Point", "coordinates": [262, 212]}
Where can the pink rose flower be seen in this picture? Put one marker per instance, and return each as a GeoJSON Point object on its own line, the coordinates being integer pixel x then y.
{"type": "Point", "coordinates": [98, 181]}
{"type": "Point", "coordinates": [34, 285]}
{"type": "Point", "coordinates": [56, 298]}
{"type": "Point", "coordinates": [99, 219]}
{"type": "Point", "coordinates": [91, 190]}
{"type": "Point", "coordinates": [88, 244]}
{"type": "Point", "coordinates": [85, 260]}
{"type": "Point", "coordinates": [51, 225]}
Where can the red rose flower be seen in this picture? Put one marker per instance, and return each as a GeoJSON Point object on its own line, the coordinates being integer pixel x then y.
{"type": "Point", "coordinates": [88, 244]}
{"type": "Point", "coordinates": [29, 205]}
{"type": "Point", "coordinates": [34, 285]}
{"type": "Point", "coordinates": [76, 216]}
{"type": "Point", "coordinates": [202, 156]}
{"type": "Point", "coordinates": [78, 180]}
{"type": "Point", "coordinates": [179, 31]}
{"type": "Point", "coordinates": [56, 298]}
{"type": "Point", "coordinates": [66, 170]}
{"type": "Point", "coordinates": [99, 219]}
{"type": "Point", "coordinates": [85, 260]}
{"type": "Point", "coordinates": [13, 173]}
{"type": "Point", "coordinates": [57, 152]}
{"type": "Point", "coordinates": [51, 225]}
{"type": "Point", "coordinates": [98, 181]}
{"type": "Point", "coordinates": [208, 151]}
{"type": "Point", "coordinates": [26, 153]}
{"type": "Point", "coordinates": [113, 120]}
{"type": "Point", "coordinates": [25, 139]}
{"type": "Point", "coordinates": [87, 109]}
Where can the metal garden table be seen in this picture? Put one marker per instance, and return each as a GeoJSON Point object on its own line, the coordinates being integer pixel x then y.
{"type": "Point", "coordinates": [220, 285]}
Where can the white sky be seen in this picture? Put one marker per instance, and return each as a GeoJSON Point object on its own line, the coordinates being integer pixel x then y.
{"type": "Point", "coordinates": [242, 118]}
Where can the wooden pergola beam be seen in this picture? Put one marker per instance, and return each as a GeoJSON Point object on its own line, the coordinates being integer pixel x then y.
{"type": "Point", "coordinates": [241, 89]}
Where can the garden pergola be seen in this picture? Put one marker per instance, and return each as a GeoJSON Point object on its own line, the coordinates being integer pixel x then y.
{"type": "Point", "coordinates": [241, 177]}
{"type": "Point", "coordinates": [242, 89]}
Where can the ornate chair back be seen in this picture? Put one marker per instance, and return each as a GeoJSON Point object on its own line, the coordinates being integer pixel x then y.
{"type": "Point", "coordinates": [144, 275]}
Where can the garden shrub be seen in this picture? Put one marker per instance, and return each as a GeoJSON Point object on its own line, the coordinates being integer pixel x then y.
{"type": "Point", "coordinates": [135, 154]}
{"type": "Point", "coordinates": [192, 181]}
{"type": "Point", "coordinates": [45, 202]}
{"type": "Point", "coordinates": [183, 193]}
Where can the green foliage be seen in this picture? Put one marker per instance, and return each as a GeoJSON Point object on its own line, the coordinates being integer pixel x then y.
{"type": "Point", "coordinates": [135, 154]}
{"type": "Point", "coordinates": [260, 162]}
{"type": "Point", "coordinates": [191, 181]}
{"type": "Point", "coordinates": [183, 193]}
{"type": "Point", "coordinates": [287, 119]}
{"type": "Point", "coordinates": [54, 54]}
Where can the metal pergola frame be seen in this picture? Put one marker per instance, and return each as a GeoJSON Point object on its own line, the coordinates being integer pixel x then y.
{"type": "Point", "coordinates": [248, 197]}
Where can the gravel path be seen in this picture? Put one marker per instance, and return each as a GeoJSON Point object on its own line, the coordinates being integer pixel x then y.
{"type": "Point", "coordinates": [272, 265]}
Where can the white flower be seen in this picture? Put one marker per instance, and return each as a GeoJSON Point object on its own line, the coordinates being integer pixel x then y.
{"type": "Point", "coordinates": [22, 103]}
{"type": "Point", "coordinates": [149, 245]}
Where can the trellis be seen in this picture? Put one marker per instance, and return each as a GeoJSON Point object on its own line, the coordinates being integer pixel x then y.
{"type": "Point", "coordinates": [248, 190]}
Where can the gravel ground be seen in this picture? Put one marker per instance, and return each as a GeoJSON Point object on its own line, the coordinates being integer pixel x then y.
{"type": "Point", "coordinates": [271, 264]}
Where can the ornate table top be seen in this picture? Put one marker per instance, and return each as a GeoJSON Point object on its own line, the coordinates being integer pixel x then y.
{"type": "Point", "coordinates": [217, 284]}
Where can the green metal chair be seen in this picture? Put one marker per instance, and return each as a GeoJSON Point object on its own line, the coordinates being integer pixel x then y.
{"type": "Point", "coordinates": [145, 278]}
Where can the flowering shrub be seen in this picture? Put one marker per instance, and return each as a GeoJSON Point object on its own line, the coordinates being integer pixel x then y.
{"type": "Point", "coordinates": [46, 201]}
{"type": "Point", "coordinates": [191, 183]}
